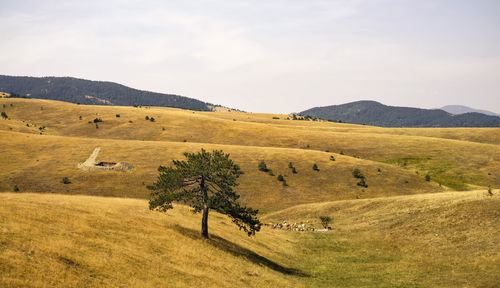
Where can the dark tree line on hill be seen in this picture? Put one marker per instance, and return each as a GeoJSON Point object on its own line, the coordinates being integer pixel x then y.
{"type": "Point", "coordinates": [377, 114]}
{"type": "Point", "coordinates": [82, 91]}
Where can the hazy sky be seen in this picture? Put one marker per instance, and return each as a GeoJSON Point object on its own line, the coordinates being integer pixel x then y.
{"type": "Point", "coordinates": [266, 56]}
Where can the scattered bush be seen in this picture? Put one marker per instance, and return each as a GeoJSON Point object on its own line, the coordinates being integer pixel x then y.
{"type": "Point", "coordinates": [315, 167]}
{"type": "Point", "coordinates": [130, 121]}
{"type": "Point", "coordinates": [280, 178]}
{"type": "Point", "coordinates": [490, 192]}
{"type": "Point", "coordinates": [294, 171]}
{"type": "Point", "coordinates": [263, 167]}
{"type": "Point", "coordinates": [163, 128]}
{"type": "Point", "coordinates": [97, 120]}
{"type": "Point", "coordinates": [284, 183]}
{"type": "Point", "coordinates": [65, 180]}
{"type": "Point", "coordinates": [378, 170]}
{"type": "Point", "coordinates": [290, 165]}
{"type": "Point", "coordinates": [325, 220]}
{"type": "Point", "coordinates": [4, 115]}
{"type": "Point", "coordinates": [427, 177]}
{"type": "Point", "coordinates": [80, 117]}
{"type": "Point", "coordinates": [147, 117]}
{"type": "Point", "coordinates": [117, 115]}
{"type": "Point", "coordinates": [276, 117]}
{"type": "Point", "coordinates": [341, 152]}
{"type": "Point", "coordinates": [357, 174]}
{"type": "Point", "coordinates": [362, 183]}
{"type": "Point", "coordinates": [16, 189]}
{"type": "Point", "coordinates": [96, 126]}
{"type": "Point", "coordinates": [152, 119]}
{"type": "Point", "coordinates": [332, 158]}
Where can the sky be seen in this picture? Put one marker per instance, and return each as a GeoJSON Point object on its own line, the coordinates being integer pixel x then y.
{"type": "Point", "coordinates": [266, 56]}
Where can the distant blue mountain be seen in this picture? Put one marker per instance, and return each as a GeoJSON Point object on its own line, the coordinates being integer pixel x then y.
{"type": "Point", "coordinates": [460, 109]}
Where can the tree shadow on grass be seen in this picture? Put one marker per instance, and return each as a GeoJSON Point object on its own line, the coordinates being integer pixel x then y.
{"type": "Point", "coordinates": [238, 251]}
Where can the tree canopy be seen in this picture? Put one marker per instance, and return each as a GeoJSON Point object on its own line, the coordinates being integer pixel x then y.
{"type": "Point", "coordinates": [204, 181]}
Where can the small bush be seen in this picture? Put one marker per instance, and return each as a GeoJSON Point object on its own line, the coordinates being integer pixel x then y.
{"type": "Point", "coordinates": [147, 117]}
{"type": "Point", "coordinates": [341, 152]}
{"type": "Point", "coordinates": [294, 171]}
{"type": "Point", "coordinates": [4, 115]}
{"type": "Point", "coordinates": [378, 170]}
{"type": "Point", "coordinates": [325, 220]}
{"type": "Point", "coordinates": [117, 115]}
{"type": "Point", "coordinates": [276, 118]}
{"type": "Point", "coordinates": [163, 128]}
{"type": "Point", "coordinates": [263, 167]}
{"type": "Point", "coordinates": [65, 180]}
{"type": "Point", "coordinates": [152, 119]}
{"type": "Point", "coordinates": [290, 165]}
{"type": "Point", "coordinates": [280, 178]}
{"type": "Point", "coordinates": [16, 189]}
{"type": "Point", "coordinates": [357, 174]}
{"type": "Point", "coordinates": [427, 177]}
{"type": "Point", "coordinates": [80, 117]}
{"type": "Point", "coordinates": [362, 183]}
{"type": "Point", "coordinates": [130, 121]}
{"type": "Point", "coordinates": [315, 167]}
{"type": "Point", "coordinates": [490, 192]}
{"type": "Point", "coordinates": [284, 183]}
{"type": "Point", "coordinates": [332, 158]}
{"type": "Point", "coordinates": [97, 120]}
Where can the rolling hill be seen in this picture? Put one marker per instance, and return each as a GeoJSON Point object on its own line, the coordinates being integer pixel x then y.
{"type": "Point", "coordinates": [377, 114]}
{"type": "Point", "coordinates": [400, 231]}
{"type": "Point", "coordinates": [434, 240]}
{"type": "Point", "coordinates": [82, 91]}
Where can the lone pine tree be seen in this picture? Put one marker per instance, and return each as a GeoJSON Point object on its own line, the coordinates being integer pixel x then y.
{"type": "Point", "coordinates": [204, 181]}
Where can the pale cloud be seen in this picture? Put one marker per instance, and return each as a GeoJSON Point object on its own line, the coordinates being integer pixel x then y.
{"type": "Point", "coordinates": [265, 56]}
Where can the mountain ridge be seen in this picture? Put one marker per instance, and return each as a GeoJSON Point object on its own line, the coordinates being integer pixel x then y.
{"type": "Point", "coordinates": [461, 109]}
{"type": "Point", "coordinates": [369, 112]}
{"type": "Point", "coordinates": [76, 90]}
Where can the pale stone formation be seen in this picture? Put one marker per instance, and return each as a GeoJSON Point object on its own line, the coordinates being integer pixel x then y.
{"type": "Point", "coordinates": [91, 165]}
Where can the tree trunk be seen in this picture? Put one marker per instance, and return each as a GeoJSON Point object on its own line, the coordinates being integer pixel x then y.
{"type": "Point", "coordinates": [204, 219]}
{"type": "Point", "coordinates": [204, 222]}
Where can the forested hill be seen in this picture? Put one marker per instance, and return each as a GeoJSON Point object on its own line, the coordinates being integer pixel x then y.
{"type": "Point", "coordinates": [93, 92]}
{"type": "Point", "coordinates": [377, 114]}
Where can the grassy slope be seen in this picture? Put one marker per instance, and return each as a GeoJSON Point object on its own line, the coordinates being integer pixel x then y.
{"type": "Point", "coordinates": [61, 240]}
{"type": "Point", "coordinates": [27, 155]}
{"type": "Point", "coordinates": [472, 159]}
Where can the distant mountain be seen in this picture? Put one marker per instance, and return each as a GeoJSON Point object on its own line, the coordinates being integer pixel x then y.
{"type": "Point", "coordinates": [377, 114]}
{"type": "Point", "coordinates": [459, 109]}
{"type": "Point", "coordinates": [93, 92]}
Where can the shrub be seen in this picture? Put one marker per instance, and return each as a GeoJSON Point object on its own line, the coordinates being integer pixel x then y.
{"type": "Point", "coordinates": [341, 152]}
{"type": "Point", "coordinates": [130, 121]}
{"type": "Point", "coordinates": [357, 174]}
{"type": "Point", "coordinates": [294, 171]}
{"type": "Point", "coordinates": [332, 158]}
{"type": "Point", "coordinates": [280, 178]}
{"type": "Point", "coordinates": [362, 183]}
{"type": "Point", "coordinates": [147, 117]}
{"type": "Point", "coordinates": [97, 120]}
{"type": "Point", "coordinates": [263, 167]}
{"type": "Point", "coordinates": [490, 192]}
{"type": "Point", "coordinates": [284, 182]}
{"type": "Point", "coordinates": [315, 167]}
{"type": "Point", "coordinates": [80, 117]}
{"type": "Point", "coordinates": [427, 177]}
{"type": "Point", "coordinates": [325, 220]}
{"type": "Point", "coordinates": [290, 165]}
{"type": "Point", "coordinates": [378, 170]}
{"type": "Point", "coordinates": [117, 115]}
{"type": "Point", "coordinates": [276, 117]}
{"type": "Point", "coordinates": [65, 180]}
{"type": "Point", "coordinates": [96, 126]}
{"type": "Point", "coordinates": [16, 189]}
{"type": "Point", "coordinates": [4, 115]}
{"type": "Point", "coordinates": [152, 119]}
{"type": "Point", "coordinates": [163, 128]}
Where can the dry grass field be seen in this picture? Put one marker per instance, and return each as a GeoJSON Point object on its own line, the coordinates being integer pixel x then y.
{"type": "Point", "coordinates": [400, 231]}
{"type": "Point", "coordinates": [433, 240]}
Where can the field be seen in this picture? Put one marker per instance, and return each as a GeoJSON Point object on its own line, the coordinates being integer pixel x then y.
{"type": "Point", "coordinates": [400, 231]}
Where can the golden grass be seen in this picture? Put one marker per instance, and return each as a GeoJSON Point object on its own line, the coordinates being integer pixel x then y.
{"type": "Point", "coordinates": [460, 158]}
{"type": "Point", "coordinates": [74, 241]}
{"type": "Point", "coordinates": [39, 162]}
